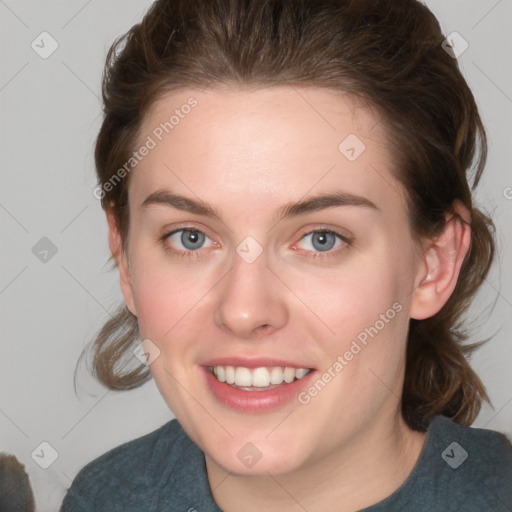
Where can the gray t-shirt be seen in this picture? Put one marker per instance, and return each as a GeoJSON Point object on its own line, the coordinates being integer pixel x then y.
{"type": "Point", "coordinates": [459, 469]}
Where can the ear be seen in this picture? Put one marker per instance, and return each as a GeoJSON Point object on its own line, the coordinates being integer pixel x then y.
{"type": "Point", "coordinates": [115, 243]}
{"type": "Point", "coordinates": [442, 260]}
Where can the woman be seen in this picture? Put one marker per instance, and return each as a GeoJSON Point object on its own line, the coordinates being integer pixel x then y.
{"type": "Point", "coordinates": [286, 184]}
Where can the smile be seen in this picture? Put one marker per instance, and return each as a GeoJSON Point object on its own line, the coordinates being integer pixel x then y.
{"type": "Point", "coordinates": [257, 379]}
{"type": "Point", "coordinates": [255, 384]}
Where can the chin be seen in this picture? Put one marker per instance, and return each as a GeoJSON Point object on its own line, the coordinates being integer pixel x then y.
{"type": "Point", "coordinates": [258, 457]}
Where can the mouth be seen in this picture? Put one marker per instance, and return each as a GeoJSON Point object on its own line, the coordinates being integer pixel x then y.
{"type": "Point", "coordinates": [257, 379]}
{"type": "Point", "coordinates": [256, 388]}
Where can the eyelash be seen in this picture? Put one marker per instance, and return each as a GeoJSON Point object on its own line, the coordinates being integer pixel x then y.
{"type": "Point", "coordinates": [316, 254]}
{"type": "Point", "coordinates": [331, 253]}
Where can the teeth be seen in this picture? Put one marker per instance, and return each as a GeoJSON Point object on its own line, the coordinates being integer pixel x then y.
{"type": "Point", "coordinates": [276, 376]}
{"type": "Point", "coordinates": [230, 374]}
{"type": "Point", "coordinates": [258, 377]}
{"type": "Point", "coordinates": [301, 372]}
{"type": "Point", "coordinates": [289, 374]}
{"type": "Point", "coordinates": [243, 377]}
{"type": "Point", "coordinates": [221, 373]}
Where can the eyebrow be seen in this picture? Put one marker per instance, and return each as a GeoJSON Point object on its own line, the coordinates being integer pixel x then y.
{"type": "Point", "coordinates": [293, 209]}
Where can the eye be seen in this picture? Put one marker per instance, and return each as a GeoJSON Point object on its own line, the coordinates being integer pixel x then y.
{"type": "Point", "coordinates": [186, 240]}
{"type": "Point", "coordinates": [189, 242]}
{"type": "Point", "coordinates": [323, 240]}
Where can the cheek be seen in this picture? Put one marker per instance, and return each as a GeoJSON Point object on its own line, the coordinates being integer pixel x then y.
{"type": "Point", "coordinates": [359, 310]}
{"type": "Point", "coordinates": [166, 296]}
{"type": "Point", "coordinates": [349, 298]}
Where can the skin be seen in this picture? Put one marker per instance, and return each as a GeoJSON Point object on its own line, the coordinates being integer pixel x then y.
{"type": "Point", "coordinates": [247, 153]}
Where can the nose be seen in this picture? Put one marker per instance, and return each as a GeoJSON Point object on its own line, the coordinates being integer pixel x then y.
{"type": "Point", "coordinates": [251, 301]}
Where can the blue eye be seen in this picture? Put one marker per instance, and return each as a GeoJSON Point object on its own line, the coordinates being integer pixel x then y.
{"type": "Point", "coordinates": [190, 242]}
{"type": "Point", "coordinates": [190, 239]}
{"type": "Point", "coordinates": [323, 240]}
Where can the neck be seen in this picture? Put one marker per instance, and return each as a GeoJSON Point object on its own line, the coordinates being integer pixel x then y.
{"type": "Point", "coordinates": [362, 472]}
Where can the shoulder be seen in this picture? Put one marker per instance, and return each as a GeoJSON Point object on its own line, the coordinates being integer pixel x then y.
{"type": "Point", "coordinates": [474, 465]}
{"type": "Point", "coordinates": [482, 446]}
{"type": "Point", "coordinates": [460, 468]}
{"type": "Point", "coordinates": [135, 460]}
{"type": "Point", "coordinates": [137, 469]}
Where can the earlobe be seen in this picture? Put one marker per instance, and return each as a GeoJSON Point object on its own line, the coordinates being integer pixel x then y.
{"type": "Point", "coordinates": [439, 272]}
{"type": "Point", "coordinates": [116, 248]}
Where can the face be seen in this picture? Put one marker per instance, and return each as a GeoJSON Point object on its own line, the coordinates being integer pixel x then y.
{"type": "Point", "coordinates": [223, 272]}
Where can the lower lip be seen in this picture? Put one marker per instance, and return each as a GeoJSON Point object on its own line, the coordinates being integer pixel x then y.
{"type": "Point", "coordinates": [256, 401]}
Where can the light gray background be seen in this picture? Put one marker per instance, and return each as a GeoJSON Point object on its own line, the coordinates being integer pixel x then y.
{"type": "Point", "coordinates": [50, 115]}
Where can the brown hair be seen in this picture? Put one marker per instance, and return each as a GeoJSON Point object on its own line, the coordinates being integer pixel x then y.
{"type": "Point", "coordinates": [15, 491]}
{"type": "Point", "coordinates": [389, 53]}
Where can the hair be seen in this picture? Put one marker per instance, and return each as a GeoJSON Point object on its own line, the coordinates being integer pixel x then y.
{"type": "Point", "coordinates": [15, 491]}
{"type": "Point", "coordinates": [387, 53]}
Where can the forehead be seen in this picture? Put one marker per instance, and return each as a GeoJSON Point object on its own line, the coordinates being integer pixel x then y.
{"type": "Point", "coordinates": [275, 144]}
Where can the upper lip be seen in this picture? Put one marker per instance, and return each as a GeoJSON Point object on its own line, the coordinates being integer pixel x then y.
{"type": "Point", "coordinates": [253, 362]}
